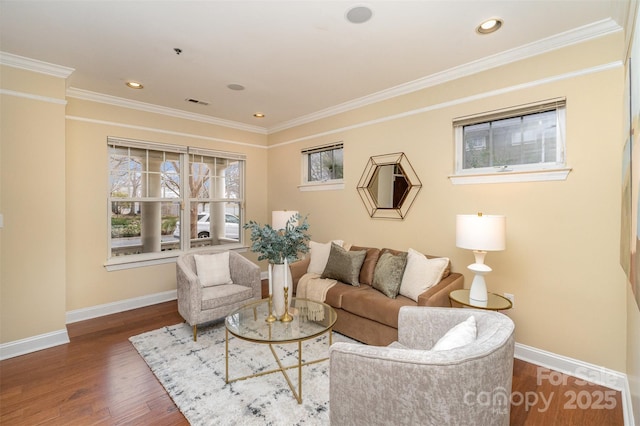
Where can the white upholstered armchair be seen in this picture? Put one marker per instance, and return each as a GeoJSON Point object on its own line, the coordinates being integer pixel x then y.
{"type": "Point", "coordinates": [201, 299]}
{"type": "Point", "coordinates": [406, 383]}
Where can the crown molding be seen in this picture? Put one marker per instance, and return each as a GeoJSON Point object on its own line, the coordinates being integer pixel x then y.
{"type": "Point", "coordinates": [28, 64]}
{"type": "Point", "coordinates": [578, 35]}
{"type": "Point", "coordinates": [87, 95]}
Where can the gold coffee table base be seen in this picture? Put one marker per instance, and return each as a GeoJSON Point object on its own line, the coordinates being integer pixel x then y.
{"type": "Point", "coordinates": [309, 319]}
{"type": "Point", "coordinates": [281, 368]}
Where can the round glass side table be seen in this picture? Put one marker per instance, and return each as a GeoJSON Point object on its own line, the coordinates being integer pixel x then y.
{"type": "Point", "coordinates": [495, 302]}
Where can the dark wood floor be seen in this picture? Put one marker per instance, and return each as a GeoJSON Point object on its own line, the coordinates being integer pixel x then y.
{"type": "Point", "coordinates": [99, 379]}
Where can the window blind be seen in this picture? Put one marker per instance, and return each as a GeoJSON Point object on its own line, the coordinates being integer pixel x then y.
{"type": "Point", "coordinates": [323, 148]}
{"type": "Point", "coordinates": [542, 106]}
{"type": "Point", "coordinates": [132, 143]}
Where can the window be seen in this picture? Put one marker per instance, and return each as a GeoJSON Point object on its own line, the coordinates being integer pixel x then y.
{"type": "Point", "coordinates": [528, 139]}
{"type": "Point", "coordinates": [322, 167]}
{"type": "Point", "coordinates": [153, 204]}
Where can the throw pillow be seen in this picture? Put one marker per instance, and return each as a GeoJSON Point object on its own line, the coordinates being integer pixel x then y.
{"type": "Point", "coordinates": [344, 265]}
{"type": "Point", "coordinates": [388, 273]}
{"type": "Point", "coordinates": [319, 254]}
{"type": "Point", "coordinates": [421, 273]}
{"type": "Point", "coordinates": [460, 335]}
{"type": "Point", "coordinates": [213, 269]}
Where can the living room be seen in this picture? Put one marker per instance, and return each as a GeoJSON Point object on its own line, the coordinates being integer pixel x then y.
{"type": "Point", "coordinates": [574, 307]}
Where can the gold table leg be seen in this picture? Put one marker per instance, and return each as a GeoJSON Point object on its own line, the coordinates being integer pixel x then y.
{"type": "Point", "coordinates": [226, 355]}
{"type": "Point", "coordinates": [283, 369]}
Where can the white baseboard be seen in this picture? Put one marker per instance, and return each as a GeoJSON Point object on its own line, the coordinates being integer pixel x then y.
{"type": "Point", "coordinates": [583, 370]}
{"type": "Point", "coordinates": [33, 344]}
{"type": "Point", "coordinates": [120, 306]}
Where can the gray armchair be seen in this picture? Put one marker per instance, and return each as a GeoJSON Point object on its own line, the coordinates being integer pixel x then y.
{"type": "Point", "coordinates": [406, 384]}
{"type": "Point", "coordinates": [198, 304]}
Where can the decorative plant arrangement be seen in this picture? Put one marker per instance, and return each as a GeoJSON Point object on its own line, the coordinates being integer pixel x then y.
{"type": "Point", "coordinates": [280, 247]}
{"type": "Point", "coordinates": [276, 245]}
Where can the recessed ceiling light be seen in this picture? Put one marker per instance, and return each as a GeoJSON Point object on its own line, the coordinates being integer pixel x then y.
{"type": "Point", "coordinates": [359, 14]}
{"type": "Point", "coordinates": [234, 86]}
{"type": "Point", "coordinates": [134, 85]}
{"type": "Point", "coordinates": [489, 26]}
{"type": "Point", "coordinates": [258, 115]}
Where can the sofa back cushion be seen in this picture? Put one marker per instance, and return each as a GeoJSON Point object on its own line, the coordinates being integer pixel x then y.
{"type": "Point", "coordinates": [369, 264]}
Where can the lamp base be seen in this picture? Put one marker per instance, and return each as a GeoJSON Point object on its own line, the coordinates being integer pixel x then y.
{"type": "Point", "coordinates": [478, 292]}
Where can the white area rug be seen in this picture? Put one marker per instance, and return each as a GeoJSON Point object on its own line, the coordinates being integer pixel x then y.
{"type": "Point", "coordinates": [193, 373]}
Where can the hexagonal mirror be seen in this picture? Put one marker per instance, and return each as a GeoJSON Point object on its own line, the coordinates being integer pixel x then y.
{"type": "Point", "coordinates": [388, 186]}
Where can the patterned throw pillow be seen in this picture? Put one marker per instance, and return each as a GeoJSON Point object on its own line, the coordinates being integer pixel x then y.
{"type": "Point", "coordinates": [344, 265]}
{"type": "Point", "coordinates": [388, 273]}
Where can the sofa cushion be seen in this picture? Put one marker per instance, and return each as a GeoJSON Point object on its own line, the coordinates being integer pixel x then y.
{"type": "Point", "coordinates": [373, 305]}
{"type": "Point", "coordinates": [369, 264]}
{"type": "Point", "coordinates": [336, 293]}
{"type": "Point", "coordinates": [223, 295]}
{"type": "Point", "coordinates": [344, 265]}
{"type": "Point", "coordinates": [319, 254]}
{"type": "Point", "coordinates": [421, 273]}
{"type": "Point", "coordinates": [388, 273]}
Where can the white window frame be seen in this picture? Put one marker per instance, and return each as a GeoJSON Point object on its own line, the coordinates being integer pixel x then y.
{"type": "Point", "coordinates": [544, 171]}
{"type": "Point", "coordinates": [325, 185]}
{"type": "Point", "coordinates": [146, 259]}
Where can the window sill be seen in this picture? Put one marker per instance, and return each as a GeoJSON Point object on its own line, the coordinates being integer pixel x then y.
{"type": "Point", "coordinates": [507, 177]}
{"type": "Point", "coordinates": [322, 186]}
{"type": "Point", "coordinates": [129, 262]}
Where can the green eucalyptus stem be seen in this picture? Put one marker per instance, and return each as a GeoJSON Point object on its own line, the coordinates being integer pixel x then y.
{"type": "Point", "coordinates": [274, 245]}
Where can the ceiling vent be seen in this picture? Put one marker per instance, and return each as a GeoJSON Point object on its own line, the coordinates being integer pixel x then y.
{"type": "Point", "coordinates": [196, 101]}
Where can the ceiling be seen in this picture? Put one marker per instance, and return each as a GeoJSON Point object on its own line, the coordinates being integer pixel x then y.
{"type": "Point", "coordinates": [296, 60]}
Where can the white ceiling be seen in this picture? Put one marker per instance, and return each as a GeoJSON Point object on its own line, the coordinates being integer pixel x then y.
{"type": "Point", "coordinates": [297, 59]}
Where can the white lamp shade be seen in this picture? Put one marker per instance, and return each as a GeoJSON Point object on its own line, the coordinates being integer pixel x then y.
{"type": "Point", "coordinates": [279, 218]}
{"type": "Point", "coordinates": [481, 232]}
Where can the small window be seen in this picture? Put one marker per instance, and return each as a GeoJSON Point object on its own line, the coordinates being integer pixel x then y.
{"type": "Point", "coordinates": [323, 166]}
{"type": "Point", "coordinates": [520, 140]}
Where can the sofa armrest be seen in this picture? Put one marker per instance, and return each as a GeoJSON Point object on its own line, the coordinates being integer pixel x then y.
{"type": "Point", "coordinates": [438, 295]}
{"type": "Point", "coordinates": [298, 269]}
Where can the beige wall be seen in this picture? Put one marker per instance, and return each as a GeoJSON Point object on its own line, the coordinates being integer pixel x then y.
{"type": "Point", "coordinates": [32, 200]}
{"type": "Point", "coordinates": [633, 311]}
{"type": "Point", "coordinates": [633, 351]}
{"type": "Point", "coordinates": [88, 126]}
{"type": "Point", "coordinates": [562, 258]}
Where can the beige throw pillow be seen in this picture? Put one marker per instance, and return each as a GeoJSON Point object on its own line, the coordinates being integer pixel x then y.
{"type": "Point", "coordinates": [213, 269]}
{"type": "Point", "coordinates": [460, 335]}
{"type": "Point", "coordinates": [319, 254]}
{"type": "Point", "coordinates": [421, 273]}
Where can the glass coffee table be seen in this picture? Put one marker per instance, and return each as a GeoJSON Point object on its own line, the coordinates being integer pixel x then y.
{"type": "Point", "coordinates": [310, 319]}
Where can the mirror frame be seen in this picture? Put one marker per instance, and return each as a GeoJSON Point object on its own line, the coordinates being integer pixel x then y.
{"type": "Point", "coordinates": [369, 173]}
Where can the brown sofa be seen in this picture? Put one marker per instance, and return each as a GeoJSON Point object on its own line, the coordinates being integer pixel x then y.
{"type": "Point", "coordinates": [366, 314]}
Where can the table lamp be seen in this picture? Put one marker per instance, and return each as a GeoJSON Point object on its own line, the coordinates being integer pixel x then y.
{"type": "Point", "coordinates": [480, 233]}
{"type": "Point", "coordinates": [279, 219]}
